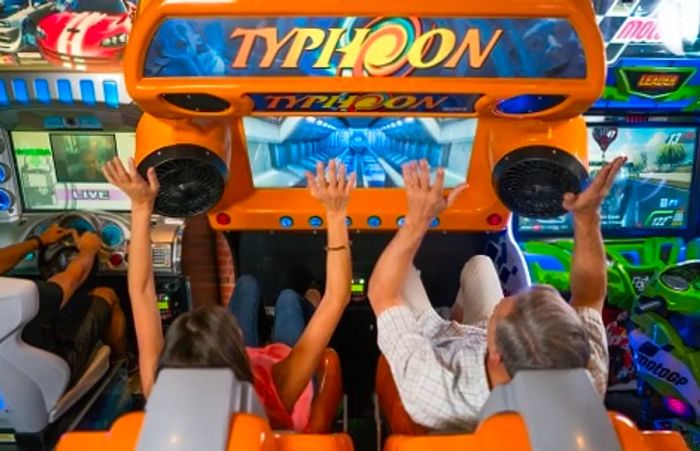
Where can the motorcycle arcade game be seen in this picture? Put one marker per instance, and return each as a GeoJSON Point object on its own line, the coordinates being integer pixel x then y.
{"type": "Point", "coordinates": [64, 112]}
{"type": "Point", "coordinates": [648, 112]}
{"type": "Point", "coordinates": [240, 98]}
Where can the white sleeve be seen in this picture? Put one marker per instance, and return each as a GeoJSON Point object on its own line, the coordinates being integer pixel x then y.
{"type": "Point", "coordinates": [598, 366]}
{"type": "Point", "coordinates": [431, 388]}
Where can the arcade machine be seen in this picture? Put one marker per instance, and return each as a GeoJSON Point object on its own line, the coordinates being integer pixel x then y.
{"type": "Point", "coordinates": [64, 112]}
{"type": "Point", "coordinates": [648, 112]}
{"type": "Point", "coordinates": [242, 97]}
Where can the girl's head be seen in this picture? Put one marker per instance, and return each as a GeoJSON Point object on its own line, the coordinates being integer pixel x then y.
{"type": "Point", "coordinates": [207, 337]}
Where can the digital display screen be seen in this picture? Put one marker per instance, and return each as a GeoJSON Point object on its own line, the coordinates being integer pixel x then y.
{"type": "Point", "coordinates": [79, 158]}
{"type": "Point", "coordinates": [652, 190]}
{"type": "Point", "coordinates": [62, 171]}
{"type": "Point", "coordinates": [282, 149]}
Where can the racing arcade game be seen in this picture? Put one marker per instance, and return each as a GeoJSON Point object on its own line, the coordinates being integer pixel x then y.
{"type": "Point", "coordinates": [648, 112]}
{"type": "Point", "coordinates": [241, 97]}
{"type": "Point", "coordinates": [64, 112]}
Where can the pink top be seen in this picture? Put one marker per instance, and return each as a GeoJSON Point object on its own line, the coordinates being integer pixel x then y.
{"type": "Point", "coordinates": [261, 361]}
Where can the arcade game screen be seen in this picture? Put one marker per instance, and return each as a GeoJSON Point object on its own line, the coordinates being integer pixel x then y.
{"type": "Point", "coordinates": [653, 188]}
{"type": "Point", "coordinates": [282, 149]}
{"type": "Point", "coordinates": [62, 171]}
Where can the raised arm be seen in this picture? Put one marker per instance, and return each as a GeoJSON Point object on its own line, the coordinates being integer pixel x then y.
{"type": "Point", "coordinates": [10, 256]}
{"type": "Point", "coordinates": [589, 273]}
{"type": "Point", "coordinates": [142, 292]}
{"type": "Point", "coordinates": [293, 374]}
{"type": "Point", "coordinates": [425, 202]}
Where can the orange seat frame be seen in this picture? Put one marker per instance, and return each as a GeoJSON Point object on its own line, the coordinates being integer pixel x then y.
{"type": "Point", "coordinates": [490, 435]}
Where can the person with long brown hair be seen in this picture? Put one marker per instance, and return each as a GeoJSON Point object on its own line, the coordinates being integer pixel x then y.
{"type": "Point", "coordinates": [209, 337]}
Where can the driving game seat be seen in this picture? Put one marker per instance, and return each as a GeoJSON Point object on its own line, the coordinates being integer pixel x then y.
{"type": "Point", "coordinates": [543, 411]}
{"type": "Point", "coordinates": [33, 382]}
{"type": "Point", "coordinates": [397, 419]}
{"type": "Point", "coordinates": [328, 394]}
{"type": "Point", "coordinates": [197, 409]}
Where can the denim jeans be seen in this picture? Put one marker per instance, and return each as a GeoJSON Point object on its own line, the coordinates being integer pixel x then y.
{"type": "Point", "coordinates": [292, 312]}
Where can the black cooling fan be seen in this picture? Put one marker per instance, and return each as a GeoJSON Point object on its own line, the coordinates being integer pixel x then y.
{"type": "Point", "coordinates": [191, 178]}
{"type": "Point", "coordinates": [531, 181]}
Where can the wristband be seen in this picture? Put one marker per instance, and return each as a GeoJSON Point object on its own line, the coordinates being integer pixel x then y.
{"type": "Point", "coordinates": [339, 248]}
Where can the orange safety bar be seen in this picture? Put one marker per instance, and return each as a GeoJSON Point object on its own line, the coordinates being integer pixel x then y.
{"type": "Point", "coordinates": [490, 435]}
{"type": "Point", "coordinates": [507, 431]}
{"type": "Point", "coordinates": [248, 433]}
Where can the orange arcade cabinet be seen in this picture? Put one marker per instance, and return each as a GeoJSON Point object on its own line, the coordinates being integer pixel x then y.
{"type": "Point", "coordinates": [240, 97]}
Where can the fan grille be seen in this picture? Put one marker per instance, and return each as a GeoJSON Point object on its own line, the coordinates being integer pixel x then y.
{"type": "Point", "coordinates": [532, 181]}
{"type": "Point", "coordinates": [191, 180]}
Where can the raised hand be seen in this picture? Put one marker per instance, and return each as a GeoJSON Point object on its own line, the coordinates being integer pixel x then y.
{"type": "Point", "coordinates": [426, 201]}
{"type": "Point", "coordinates": [589, 201]}
{"type": "Point", "coordinates": [141, 192]}
{"type": "Point", "coordinates": [332, 190]}
{"type": "Point", "coordinates": [54, 234]}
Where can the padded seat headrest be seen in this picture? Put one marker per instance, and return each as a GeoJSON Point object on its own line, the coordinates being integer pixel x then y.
{"type": "Point", "coordinates": [190, 409]}
{"type": "Point", "coordinates": [561, 410]}
{"type": "Point", "coordinates": [19, 303]}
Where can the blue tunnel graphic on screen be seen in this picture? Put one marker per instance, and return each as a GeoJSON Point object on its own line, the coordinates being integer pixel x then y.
{"type": "Point", "coordinates": [282, 149]}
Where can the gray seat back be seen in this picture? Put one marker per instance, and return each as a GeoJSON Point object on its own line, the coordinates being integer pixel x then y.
{"type": "Point", "coordinates": [191, 409]}
{"type": "Point", "coordinates": [31, 380]}
{"type": "Point", "coordinates": [561, 410]}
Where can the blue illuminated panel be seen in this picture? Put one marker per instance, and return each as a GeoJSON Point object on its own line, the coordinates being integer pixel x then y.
{"type": "Point", "coordinates": [5, 200]}
{"type": "Point", "coordinates": [111, 93]}
{"type": "Point", "coordinates": [87, 92]}
{"type": "Point", "coordinates": [4, 98]}
{"type": "Point", "coordinates": [19, 87]}
{"type": "Point", "coordinates": [65, 91]}
{"type": "Point", "coordinates": [41, 89]}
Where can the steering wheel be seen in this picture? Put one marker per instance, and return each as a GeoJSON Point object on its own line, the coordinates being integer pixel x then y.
{"type": "Point", "coordinates": [55, 258]}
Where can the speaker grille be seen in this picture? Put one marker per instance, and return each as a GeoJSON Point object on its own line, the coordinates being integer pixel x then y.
{"type": "Point", "coordinates": [201, 103]}
{"type": "Point", "coordinates": [531, 181]}
{"type": "Point", "coordinates": [192, 179]}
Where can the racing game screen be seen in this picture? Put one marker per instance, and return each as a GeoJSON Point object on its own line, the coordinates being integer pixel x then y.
{"type": "Point", "coordinates": [652, 190]}
{"type": "Point", "coordinates": [62, 171]}
{"type": "Point", "coordinates": [282, 149]}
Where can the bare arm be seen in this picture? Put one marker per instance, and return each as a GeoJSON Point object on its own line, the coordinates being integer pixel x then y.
{"type": "Point", "coordinates": [142, 292]}
{"type": "Point", "coordinates": [390, 272]}
{"type": "Point", "coordinates": [293, 374]}
{"type": "Point", "coordinates": [589, 275]}
{"type": "Point", "coordinates": [79, 268]}
{"type": "Point", "coordinates": [425, 202]}
{"type": "Point", "coordinates": [11, 255]}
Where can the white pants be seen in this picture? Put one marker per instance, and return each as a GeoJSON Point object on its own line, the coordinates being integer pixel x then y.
{"type": "Point", "coordinates": [479, 291]}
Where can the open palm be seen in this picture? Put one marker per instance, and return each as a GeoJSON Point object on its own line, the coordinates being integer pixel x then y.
{"type": "Point", "coordinates": [590, 200]}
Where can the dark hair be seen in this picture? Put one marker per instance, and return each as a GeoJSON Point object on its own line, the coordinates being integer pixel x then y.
{"type": "Point", "coordinates": [542, 332]}
{"type": "Point", "coordinates": [206, 337]}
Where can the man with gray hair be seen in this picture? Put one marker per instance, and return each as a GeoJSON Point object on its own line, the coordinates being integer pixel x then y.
{"type": "Point", "coordinates": [443, 370]}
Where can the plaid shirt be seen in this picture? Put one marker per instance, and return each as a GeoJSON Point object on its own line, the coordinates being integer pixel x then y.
{"type": "Point", "coordinates": [440, 370]}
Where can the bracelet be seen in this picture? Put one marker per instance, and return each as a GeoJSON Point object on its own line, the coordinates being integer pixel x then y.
{"type": "Point", "coordinates": [339, 248]}
{"type": "Point", "coordinates": [37, 238]}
